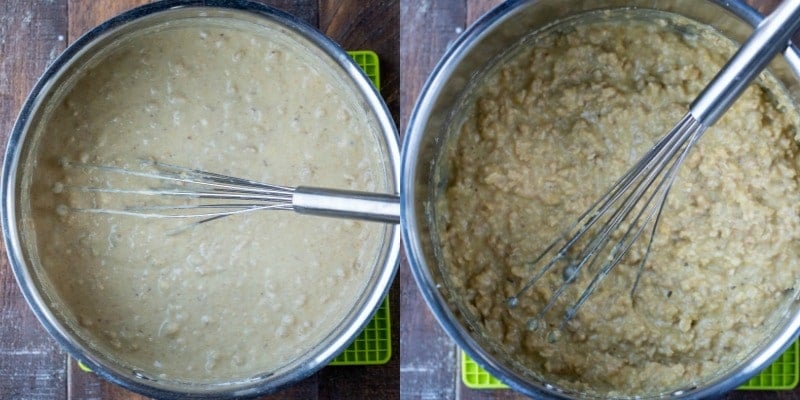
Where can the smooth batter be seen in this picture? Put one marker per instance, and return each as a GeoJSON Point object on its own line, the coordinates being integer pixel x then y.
{"type": "Point", "coordinates": [551, 128]}
{"type": "Point", "coordinates": [230, 298]}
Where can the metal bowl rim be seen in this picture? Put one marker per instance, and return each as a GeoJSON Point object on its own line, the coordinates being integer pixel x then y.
{"type": "Point", "coordinates": [411, 233]}
{"type": "Point", "coordinates": [317, 358]}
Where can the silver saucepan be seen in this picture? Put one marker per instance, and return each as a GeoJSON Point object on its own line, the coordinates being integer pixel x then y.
{"type": "Point", "coordinates": [430, 124]}
{"type": "Point", "coordinates": [47, 92]}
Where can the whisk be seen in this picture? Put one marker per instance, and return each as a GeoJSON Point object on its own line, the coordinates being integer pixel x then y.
{"type": "Point", "coordinates": [606, 231]}
{"type": "Point", "coordinates": [224, 196]}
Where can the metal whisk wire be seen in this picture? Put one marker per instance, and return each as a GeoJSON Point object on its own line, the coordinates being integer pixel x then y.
{"type": "Point", "coordinates": [246, 195]}
{"type": "Point", "coordinates": [652, 176]}
{"type": "Point", "coordinates": [234, 196]}
{"type": "Point", "coordinates": [637, 199]}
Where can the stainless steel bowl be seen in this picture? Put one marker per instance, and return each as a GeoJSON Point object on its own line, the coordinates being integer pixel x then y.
{"type": "Point", "coordinates": [48, 90]}
{"type": "Point", "coordinates": [428, 128]}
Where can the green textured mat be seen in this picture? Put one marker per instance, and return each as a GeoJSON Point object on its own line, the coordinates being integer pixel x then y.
{"type": "Point", "coordinates": [783, 374]}
{"type": "Point", "coordinates": [374, 345]}
{"type": "Point", "coordinates": [368, 61]}
{"type": "Point", "coordinates": [475, 377]}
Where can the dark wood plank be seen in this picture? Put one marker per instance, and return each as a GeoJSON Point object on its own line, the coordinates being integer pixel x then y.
{"type": "Point", "coordinates": [307, 389]}
{"type": "Point", "coordinates": [762, 395]}
{"type": "Point", "coordinates": [426, 29]}
{"type": "Point", "coordinates": [85, 385]}
{"type": "Point", "coordinates": [476, 8]}
{"type": "Point", "coordinates": [85, 15]}
{"type": "Point", "coordinates": [763, 6]}
{"type": "Point", "coordinates": [32, 34]}
{"type": "Point", "coordinates": [305, 10]}
{"type": "Point", "coordinates": [372, 25]}
{"type": "Point", "coordinates": [427, 354]}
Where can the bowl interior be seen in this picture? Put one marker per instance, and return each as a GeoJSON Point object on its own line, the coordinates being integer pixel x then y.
{"type": "Point", "coordinates": [429, 136]}
{"type": "Point", "coordinates": [92, 49]}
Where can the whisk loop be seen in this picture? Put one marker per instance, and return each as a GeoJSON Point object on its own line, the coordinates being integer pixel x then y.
{"type": "Point", "coordinates": [619, 213]}
{"type": "Point", "coordinates": [210, 196]}
{"type": "Point", "coordinates": [175, 181]}
{"type": "Point", "coordinates": [605, 233]}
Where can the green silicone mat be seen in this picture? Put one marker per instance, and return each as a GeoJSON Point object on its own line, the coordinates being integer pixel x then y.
{"type": "Point", "coordinates": [475, 377]}
{"type": "Point", "coordinates": [783, 374]}
{"type": "Point", "coordinates": [374, 345]}
{"type": "Point", "coordinates": [368, 61]}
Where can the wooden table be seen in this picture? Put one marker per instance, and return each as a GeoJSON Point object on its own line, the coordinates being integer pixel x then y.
{"type": "Point", "coordinates": [429, 367]}
{"type": "Point", "coordinates": [32, 34]}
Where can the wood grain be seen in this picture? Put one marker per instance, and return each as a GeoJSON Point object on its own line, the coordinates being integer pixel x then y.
{"type": "Point", "coordinates": [427, 354]}
{"type": "Point", "coordinates": [409, 36]}
{"type": "Point", "coordinates": [344, 22]}
{"type": "Point", "coordinates": [85, 15]}
{"type": "Point", "coordinates": [31, 364]}
{"type": "Point", "coordinates": [476, 8]}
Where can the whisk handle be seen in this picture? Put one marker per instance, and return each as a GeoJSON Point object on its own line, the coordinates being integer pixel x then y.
{"type": "Point", "coordinates": [377, 207]}
{"type": "Point", "coordinates": [769, 38]}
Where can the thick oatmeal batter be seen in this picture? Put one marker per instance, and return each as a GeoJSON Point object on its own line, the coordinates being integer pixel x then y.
{"type": "Point", "coordinates": [549, 131]}
{"type": "Point", "coordinates": [230, 298]}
